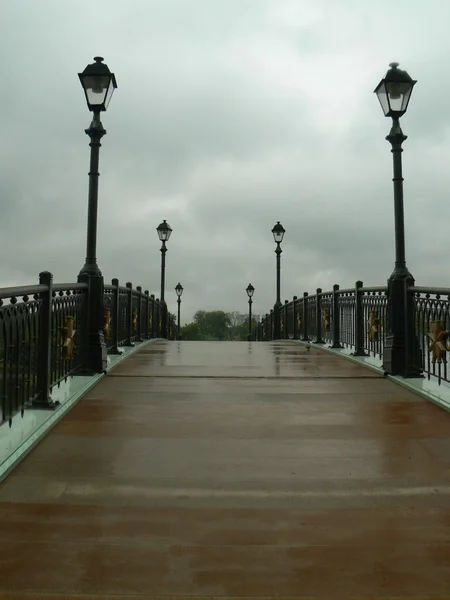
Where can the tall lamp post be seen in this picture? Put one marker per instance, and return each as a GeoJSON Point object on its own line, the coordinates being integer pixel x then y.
{"type": "Point", "coordinates": [250, 291]}
{"type": "Point", "coordinates": [98, 84]}
{"type": "Point", "coordinates": [394, 92]}
{"type": "Point", "coordinates": [164, 232]}
{"type": "Point", "coordinates": [278, 234]}
{"type": "Point", "coordinates": [179, 292]}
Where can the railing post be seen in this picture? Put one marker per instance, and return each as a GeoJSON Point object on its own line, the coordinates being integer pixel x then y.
{"type": "Point", "coordinates": [359, 321]}
{"type": "Point", "coordinates": [152, 298]}
{"type": "Point", "coordinates": [129, 314]}
{"type": "Point", "coordinates": [413, 356]}
{"type": "Point", "coordinates": [147, 314]}
{"type": "Point", "coordinates": [286, 328]}
{"type": "Point", "coordinates": [43, 399]}
{"type": "Point", "coordinates": [271, 324]}
{"type": "Point", "coordinates": [158, 316]}
{"type": "Point", "coordinates": [305, 337]}
{"type": "Point", "coordinates": [336, 318]}
{"type": "Point", "coordinates": [294, 319]}
{"type": "Point", "coordinates": [319, 339]}
{"type": "Point", "coordinates": [139, 315]}
{"type": "Point", "coordinates": [115, 319]}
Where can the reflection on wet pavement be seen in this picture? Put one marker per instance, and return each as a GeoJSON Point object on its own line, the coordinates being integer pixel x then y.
{"type": "Point", "coordinates": [234, 469]}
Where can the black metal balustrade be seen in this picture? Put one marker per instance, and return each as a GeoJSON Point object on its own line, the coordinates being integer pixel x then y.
{"type": "Point", "coordinates": [44, 332]}
{"type": "Point", "coordinates": [356, 319]}
{"type": "Point", "coordinates": [431, 330]}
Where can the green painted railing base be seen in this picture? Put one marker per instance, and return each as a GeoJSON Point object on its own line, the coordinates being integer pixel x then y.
{"type": "Point", "coordinates": [26, 432]}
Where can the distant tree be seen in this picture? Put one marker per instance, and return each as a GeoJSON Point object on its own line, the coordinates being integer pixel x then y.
{"type": "Point", "coordinates": [190, 331]}
{"type": "Point", "coordinates": [242, 330]}
{"type": "Point", "coordinates": [236, 320]}
{"type": "Point", "coordinates": [217, 325]}
{"type": "Point", "coordinates": [213, 325]}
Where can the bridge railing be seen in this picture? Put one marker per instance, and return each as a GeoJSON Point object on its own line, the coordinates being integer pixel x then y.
{"type": "Point", "coordinates": [349, 318]}
{"type": "Point", "coordinates": [357, 319]}
{"type": "Point", "coordinates": [432, 330]}
{"type": "Point", "coordinates": [43, 329]}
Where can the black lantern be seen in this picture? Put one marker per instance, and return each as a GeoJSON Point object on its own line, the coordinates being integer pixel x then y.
{"type": "Point", "coordinates": [99, 84]}
{"type": "Point", "coordinates": [278, 232]}
{"type": "Point", "coordinates": [250, 290]}
{"type": "Point", "coordinates": [179, 290]}
{"type": "Point", "coordinates": [394, 91]}
{"type": "Point", "coordinates": [164, 231]}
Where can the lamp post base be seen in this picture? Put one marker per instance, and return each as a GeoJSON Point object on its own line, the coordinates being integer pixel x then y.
{"type": "Point", "coordinates": [164, 324]}
{"type": "Point", "coordinates": [96, 354]}
{"type": "Point", "coordinates": [277, 321]}
{"type": "Point", "coordinates": [401, 352]}
{"type": "Point", "coordinates": [93, 347]}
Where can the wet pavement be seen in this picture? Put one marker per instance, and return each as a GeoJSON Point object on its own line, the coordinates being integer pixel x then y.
{"type": "Point", "coordinates": [233, 469]}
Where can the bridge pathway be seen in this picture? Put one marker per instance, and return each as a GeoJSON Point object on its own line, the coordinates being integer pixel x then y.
{"type": "Point", "coordinates": [227, 469]}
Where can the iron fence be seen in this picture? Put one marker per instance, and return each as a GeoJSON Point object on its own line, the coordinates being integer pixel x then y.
{"type": "Point", "coordinates": [43, 330]}
{"type": "Point", "coordinates": [350, 318]}
{"type": "Point", "coordinates": [19, 333]}
{"type": "Point", "coordinates": [432, 330]}
{"type": "Point", "coordinates": [356, 319]}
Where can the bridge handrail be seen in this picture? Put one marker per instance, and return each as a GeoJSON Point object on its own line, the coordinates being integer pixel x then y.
{"type": "Point", "coordinates": [44, 335]}
{"type": "Point", "coordinates": [429, 290]}
{"type": "Point", "coordinates": [378, 289]}
{"type": "Point", "coordinates": [357, 319]}
{"type": "Point", "coordinates": [23, 290]}
{"type": "Point", "coordinates": [32, 290]}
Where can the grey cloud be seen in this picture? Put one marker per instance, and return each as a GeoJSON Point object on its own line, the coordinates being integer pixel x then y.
{"type": "Point", "coordinates": [229, 116]}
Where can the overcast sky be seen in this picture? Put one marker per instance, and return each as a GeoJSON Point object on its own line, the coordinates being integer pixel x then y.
{"type": "Point", "coordinates": [229, 115]}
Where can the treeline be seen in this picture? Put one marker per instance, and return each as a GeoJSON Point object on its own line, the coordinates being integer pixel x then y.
{"type": "Point", "coordinates": [216, 325]}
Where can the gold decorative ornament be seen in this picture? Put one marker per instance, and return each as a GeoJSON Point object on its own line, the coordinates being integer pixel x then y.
{"type": "Point", "coordinates": [107, 324]}
{"type": "Point", "coordinates": [69, 338]}
{"type": "Point", "coordinates": [135, 319]}
{"type": "Point", "coordinates": [438, 342]}
{"type": "Point", "coordinates": [299, 322]}
{"type": "Point", "coordinates": [374, 326]}
{"type": "Point", "coordinates": [326, 319]}
{"type": "Point", "coordinates": [281, 325]}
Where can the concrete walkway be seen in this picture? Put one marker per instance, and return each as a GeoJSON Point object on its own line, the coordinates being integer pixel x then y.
{"type": "Point", "coordinates": [232, 469]}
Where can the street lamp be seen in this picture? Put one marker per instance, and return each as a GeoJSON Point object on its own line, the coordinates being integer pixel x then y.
{"type": "Point", "coordinates": [278, 234]}
{"type": "Point", "coordinates": [98, 84]}
{"type": "Point", "coordinates": [164, 232]}
{"type": "Point", "coordinates": [250, 291]}
{"type": "Point", "coordinates": [394, 92]}
{"type": "Point", "coordinates": [179, 292]}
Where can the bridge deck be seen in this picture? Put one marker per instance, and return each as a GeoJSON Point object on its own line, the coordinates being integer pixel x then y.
{"type": "Point", "coordinates": [233, 469]}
